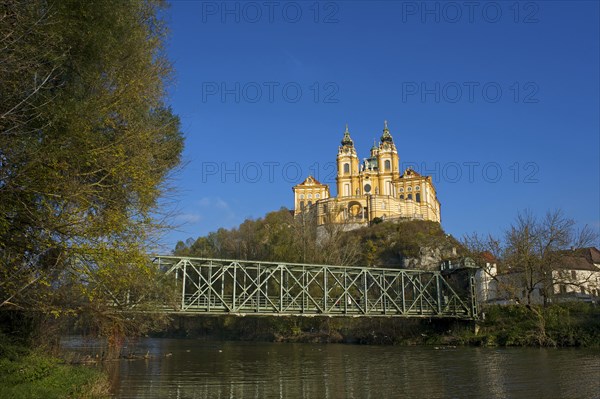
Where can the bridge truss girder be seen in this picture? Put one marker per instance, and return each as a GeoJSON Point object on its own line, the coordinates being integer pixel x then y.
{"type": "Point", "coordinates": [238, 287]}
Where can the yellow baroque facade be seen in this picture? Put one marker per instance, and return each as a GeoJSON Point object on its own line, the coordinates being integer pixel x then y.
{"type": "Point", "coordinates": [374, 188]}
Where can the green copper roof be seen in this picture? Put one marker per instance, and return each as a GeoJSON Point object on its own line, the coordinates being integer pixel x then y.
{"type": "Point", "coordinates": [386, 137]}
{"type": "Point", "coordinates": [347, 140]}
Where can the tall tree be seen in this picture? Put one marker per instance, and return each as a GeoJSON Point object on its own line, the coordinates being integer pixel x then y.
{"type": "Point", "coordinates": [535, 248]}
{"type": "Point", "coordinates": [531, 252]}
{"type": "Point", "coordinates": [86, 147]}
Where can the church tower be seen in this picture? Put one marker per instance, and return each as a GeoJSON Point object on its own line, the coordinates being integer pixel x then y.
{"type": "Point", "coordinates": [347, 167]}
{"type": "Point", "coordinates": [388, 163]}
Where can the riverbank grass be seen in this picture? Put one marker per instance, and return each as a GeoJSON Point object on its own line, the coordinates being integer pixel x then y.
{"type": "Point", "coordinates": [30, 374]}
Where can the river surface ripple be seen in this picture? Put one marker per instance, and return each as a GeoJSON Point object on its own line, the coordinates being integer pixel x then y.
{"type": "Point", "coordinates": [186, 368]}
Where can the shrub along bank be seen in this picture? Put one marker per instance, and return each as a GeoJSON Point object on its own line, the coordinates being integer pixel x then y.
{"type": "Point", "coordinates": [307, 329]}
{"type": "Point", "coordinates": [558, 325]}
{"type": "Point", "coordinates": [564, 325]}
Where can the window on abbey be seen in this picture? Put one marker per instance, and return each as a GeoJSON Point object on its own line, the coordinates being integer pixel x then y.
{"type": "Point", "coordinates": [346, 168]}
{"type": "Point", "coordinates": [409, 196]}
{"type": "Point", "coordinates": [387, 165]}
{"type": "Point", "coordinates": [418, 197]}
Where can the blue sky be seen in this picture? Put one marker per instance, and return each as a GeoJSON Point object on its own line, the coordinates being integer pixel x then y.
{"type": "Point", "coordinates": [498, 101]}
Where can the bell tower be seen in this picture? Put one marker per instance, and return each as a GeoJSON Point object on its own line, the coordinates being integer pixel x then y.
{"type": "Point", "coordinates": [388, 162]}
{"type": "Point", "coordinates": [347, 167]}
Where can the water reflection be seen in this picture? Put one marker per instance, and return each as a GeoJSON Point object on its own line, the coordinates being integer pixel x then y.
{"type": "Point", "coordinates": [194, 369]}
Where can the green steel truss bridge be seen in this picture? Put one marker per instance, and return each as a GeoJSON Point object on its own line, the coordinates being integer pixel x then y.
{"type": "Point", "coordinates": [241, 287]}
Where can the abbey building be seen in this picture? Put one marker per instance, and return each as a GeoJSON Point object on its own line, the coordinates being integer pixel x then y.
{"type": "Point", "coordinates": [373, 188]}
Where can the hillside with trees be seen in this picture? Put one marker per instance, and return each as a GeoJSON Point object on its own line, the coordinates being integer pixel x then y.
{"type": "Point", "coordinates": [279, 236]}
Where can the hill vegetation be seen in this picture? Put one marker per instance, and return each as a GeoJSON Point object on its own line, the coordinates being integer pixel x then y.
{"type": "Point", "coordinates": [279, 236]}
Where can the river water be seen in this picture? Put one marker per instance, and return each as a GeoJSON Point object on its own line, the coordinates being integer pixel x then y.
{"type": "Point", "coordinates": [185, 368]}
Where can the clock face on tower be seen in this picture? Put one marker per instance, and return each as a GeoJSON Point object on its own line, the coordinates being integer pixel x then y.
{"type": "Point", "coordinates": [367, 188]}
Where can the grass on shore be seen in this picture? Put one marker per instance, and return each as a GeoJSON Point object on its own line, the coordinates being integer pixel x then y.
{"type": "Point", "coordinates": [31, 374]}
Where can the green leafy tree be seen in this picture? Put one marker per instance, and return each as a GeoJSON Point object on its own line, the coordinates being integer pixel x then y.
{"type": "Point", "coordinates": [86, 148]}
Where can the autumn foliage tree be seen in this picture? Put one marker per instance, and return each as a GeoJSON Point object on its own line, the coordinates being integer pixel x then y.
{"type": "Point", "coordinates": [87, 145]}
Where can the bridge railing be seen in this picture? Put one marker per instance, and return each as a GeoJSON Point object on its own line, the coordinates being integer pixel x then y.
{"type": "Point", "coordinates": [221, 286]}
